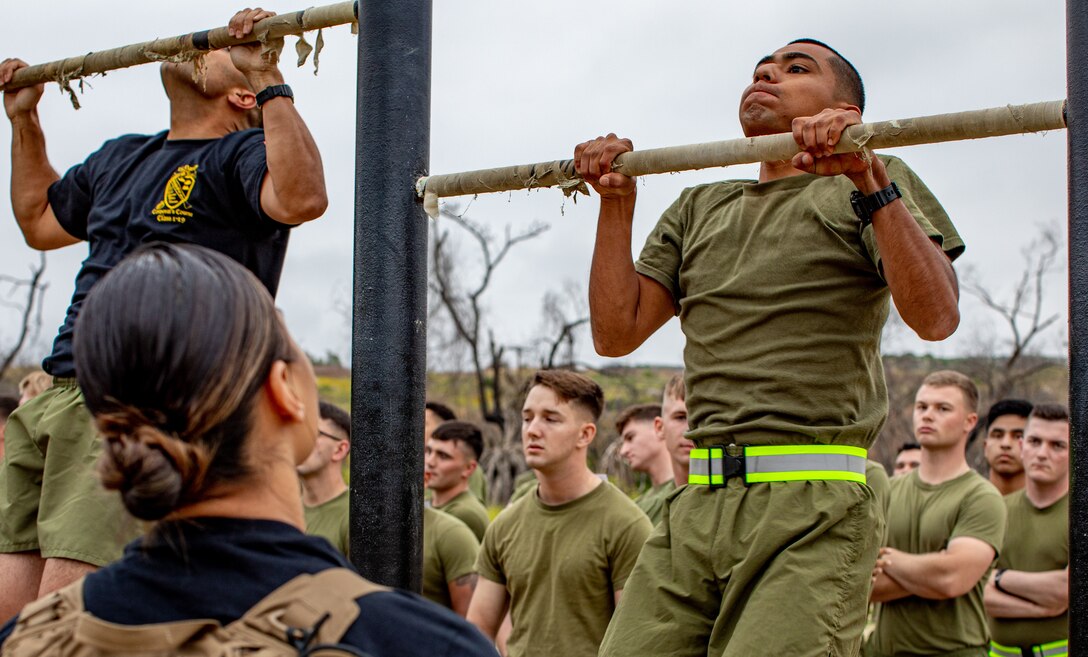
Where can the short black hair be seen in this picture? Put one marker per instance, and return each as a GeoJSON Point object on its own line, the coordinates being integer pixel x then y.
{"type": "Point", "coordinates": [850, 84]}
{"type": "Point", "coordinates": [1050, 413]}
{"type": "Point", "coordinates": [8, 404]}
{"type": "Point", "coordinates": [444, 413]}
{"type": "Point", "coordinates": [465, 433]}
{"type": "Point", "coordinates": [336, 415]}
{"type": "Point", "coordinates": [1020, 407]}
{"type": "Point", "coordinates": [906, 447]}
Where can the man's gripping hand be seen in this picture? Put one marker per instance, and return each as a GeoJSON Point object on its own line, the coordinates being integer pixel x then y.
{"type": "Point", "coordinates": [593, 161]}
{"type": "Point", "coordinates": [257, 61]}
{"type": "Point", "coordinates": [817, 137]}
{"type": "Point", "coordinates": [18, 102]}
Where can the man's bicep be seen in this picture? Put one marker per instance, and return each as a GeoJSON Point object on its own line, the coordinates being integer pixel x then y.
{"type": "Point", "coordinates": [655, 305]}
{"type": "Point", "coordinates": [47, 233]}
{"type": "Point", "coordinates": [970, 556]}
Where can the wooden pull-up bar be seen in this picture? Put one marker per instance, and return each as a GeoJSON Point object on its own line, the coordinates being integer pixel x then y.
{"type": "Point", "coordinates": [185, 46]}
{"type": "Point", "coordinates": [975, 124]}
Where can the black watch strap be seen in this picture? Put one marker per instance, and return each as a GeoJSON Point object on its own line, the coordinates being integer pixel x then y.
{"type": "Point", "coordinates": [268, 93]}
{"type": "Point", "coordinates": [864, 206]}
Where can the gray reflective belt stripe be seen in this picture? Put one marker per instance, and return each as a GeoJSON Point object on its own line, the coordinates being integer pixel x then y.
{"type": "Point", "coordinates": [804, 462]}
{"type": "Point", "coordinates": [786, 463]}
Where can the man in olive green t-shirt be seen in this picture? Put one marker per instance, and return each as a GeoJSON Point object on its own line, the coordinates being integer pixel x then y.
{"type": "Point", "coordinates": [324, 493]}
{"type": "Point", "coordinates": [782, 286]}
{"type": "Point", "coordinates": [1027, 598]}
{"type": "Point", "coordinates": [434, 414]}
{"type": "Point", "coordinates": [558, 559]}
{"type": "Point", "coordinates": [451, 456]}
{"type": "Point", "coordinates": [449, 561]}
{"type": "Point", "coordinates": [945, 525]}
{"type": "Point", "coordinates": [644, 450]}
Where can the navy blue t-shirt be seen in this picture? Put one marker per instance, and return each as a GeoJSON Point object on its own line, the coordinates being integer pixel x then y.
{"type": "Point", "coordinates": [139, 188]}
{"type": "Point", "coordinates": [219, 568]}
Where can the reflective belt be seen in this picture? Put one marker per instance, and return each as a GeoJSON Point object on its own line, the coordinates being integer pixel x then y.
{"type": "Point", "coordinates": [1052, 649]}
{"type": "Point", "coordinates": [712, 466]}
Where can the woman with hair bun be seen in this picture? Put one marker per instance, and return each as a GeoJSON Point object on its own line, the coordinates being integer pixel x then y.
{"type": "Point", "coordinates": [205, 405]}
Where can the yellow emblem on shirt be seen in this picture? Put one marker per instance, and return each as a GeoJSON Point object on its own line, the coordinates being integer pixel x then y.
{"type": "Point", "coordinates": [174, 206]}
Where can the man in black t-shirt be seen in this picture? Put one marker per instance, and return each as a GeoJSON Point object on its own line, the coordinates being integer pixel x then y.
{"type": "Point", "coordinates": [215, 179]}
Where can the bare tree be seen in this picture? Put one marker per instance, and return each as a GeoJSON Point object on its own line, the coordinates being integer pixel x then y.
{"type": "Point", "coordinates": [464, 307]}
{"type": "Point", "coordinates": [28, 307]}
{"type": "Point", "coordinates": [1022, 313]}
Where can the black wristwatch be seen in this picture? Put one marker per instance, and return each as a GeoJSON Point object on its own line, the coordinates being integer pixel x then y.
{"type": "Point", "coordinates": [997, 580]}
{"type": "Point", "coordinates": [864, 206]}
{"type": "Point", "coordinates": [268, 93]}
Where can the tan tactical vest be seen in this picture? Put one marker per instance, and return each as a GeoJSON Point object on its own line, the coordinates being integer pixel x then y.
{"type": "Point", "coordinates": [306, 616]}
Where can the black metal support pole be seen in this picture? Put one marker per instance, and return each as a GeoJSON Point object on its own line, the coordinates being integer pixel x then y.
{"type": "Point", "coordinates": [1077, 121]}
{"type": "Point", "coordinates": [389, 329]}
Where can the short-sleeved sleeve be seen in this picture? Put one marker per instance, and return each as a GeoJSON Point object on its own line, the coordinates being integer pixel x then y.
{"type": "Point", "coordinates": [662, 254]}
{"type": "Point", "coordinates": [489, 563]}
{"type": "Point", "coordinates": [247, 168]}
{"type": "Point", "coordinates": [71, 199]}
{"type": "Point", "coordinates": [457, 548]}
{"type": "Point", "coordinates": [983, 516]}
{"type": "Point", "coordinates": [626, 546]}
{"type": "Point", "coordinates": [923, 206]}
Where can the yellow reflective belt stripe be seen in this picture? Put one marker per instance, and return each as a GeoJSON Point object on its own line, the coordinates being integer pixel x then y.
{"type": "Point", "coordinates": [799, 450]}
{"type": "Point", "coordinates": [998, 650]}
{"type": "Point", "coordinates": [772, 463]}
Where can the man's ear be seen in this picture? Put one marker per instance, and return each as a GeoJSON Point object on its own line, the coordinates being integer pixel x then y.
{"type": "Point", "coordinates": [589, 432]}
{"type": "Point", "coordinates": [282, 395]}
{"type": "Point", "coordinates": [242, 99]}
{"type": "Point", "coordinates": [847, 105]}
{"type": "Point", "coordinates": [972, 420]}
{"type": "Point", "coordinates": [343, 449]}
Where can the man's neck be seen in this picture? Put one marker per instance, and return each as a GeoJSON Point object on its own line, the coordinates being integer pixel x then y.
{"type": "Point", "coordinates": [443, 497]}
{"type": "Point", "coordinates": [660, 469]}
{"type": "Point", "coordinates": [769, 171]}
{"type": "Point", "coordinates": [560, 485]}
{"type": "Point", "coordinates": [680, 472]}
{"type": "Point", "coordinates": [1007, 484]}
{"type": "Point", "coordinates": [322, 486]}
{"type": "Point", "coordinates": [200, 121]}
{"type": "Point", "coordinates": [940, 465]}
{"type": "Point", "coordinates": [1042, 495]}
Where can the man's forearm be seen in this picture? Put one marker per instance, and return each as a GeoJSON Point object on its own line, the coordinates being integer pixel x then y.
{"type": "Point", "coordinates": [924, 575]}
{"type": "Point", "coordinates": [294, 163]}
{"type": "Point", "coordinates": [886, 589]}
{"type": "Point", "coordinates": [31, 172]}
{"type": "Point", "coordinates": [613, 281]}
{"type": "Point", "coordinates": [920, 277]}
{"type": "Point", "coordinates": [1003, 605]}
{"type": "Point", "coordinates": [1048, 589]}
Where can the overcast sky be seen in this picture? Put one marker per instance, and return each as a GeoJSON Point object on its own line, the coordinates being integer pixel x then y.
{"type": "Point", "coordinates": [517, 82]}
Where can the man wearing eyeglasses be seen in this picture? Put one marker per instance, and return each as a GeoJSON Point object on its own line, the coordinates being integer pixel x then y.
{"type": "Point", "coordinates": [324, 493]}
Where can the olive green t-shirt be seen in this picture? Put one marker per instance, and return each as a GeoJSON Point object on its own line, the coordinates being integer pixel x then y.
{"type": "Point", "coordinates": [782, 302]}
{"type": "Point", "coordinates": [652, 502]}
{"type": "Point", "coordinates": [466, 508]}
{"type": "Point", "coordinates": [924, 518]}
{"type": "Point", "coordinates": [561, 566]}
{"type": "Point", "coordinates": [877, 479]}
{"type": "Point", "coordinates": [329, 520]}
{"type": "Point", "coordinates": [524, 484]}
{"type": "Point", "coordinates": [1037, 540]}
{"type": "Point", "coordinates": [449, 552]}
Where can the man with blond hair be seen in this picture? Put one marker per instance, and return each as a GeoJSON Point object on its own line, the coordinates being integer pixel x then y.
{"type": "Point", "coordinates": [946, 524]}
{"type": "Point", "coordinates": [558, 558]}
{"type": "Point", "coordinates": [672, 425]}
{"type": "Point", "coordinates": [1027, 597]}
{"type": "Point", "coordinates": [644, 450]}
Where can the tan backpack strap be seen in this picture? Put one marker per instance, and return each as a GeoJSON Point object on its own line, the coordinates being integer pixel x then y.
{"type": "Point", "coordinates": [142, 639]}
{"type": "Point", "coordinates": [302, 602]}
